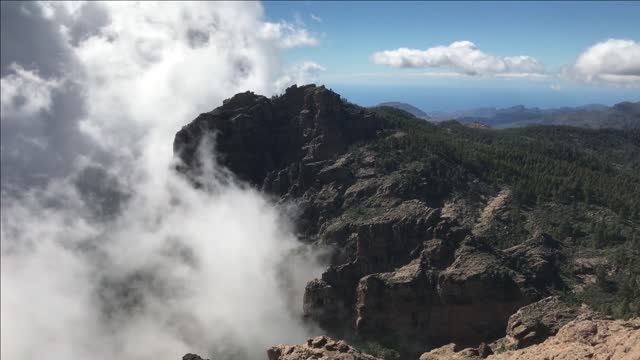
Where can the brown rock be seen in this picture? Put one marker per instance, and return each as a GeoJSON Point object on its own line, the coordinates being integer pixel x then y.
{"type": "Point", "coordinates": [534, 323]}
{"type": "Point", "coordinates": [585, 339]}
{"type": "Point", "coordinates": [468, 302]}
{"type": "Point", "coordinates": [320, 347]}
{"type": "Point", "coordinates": [451, 352]}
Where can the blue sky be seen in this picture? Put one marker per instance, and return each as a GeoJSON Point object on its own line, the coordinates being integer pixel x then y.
{"type": "Point", "coordinates": [552, 33]}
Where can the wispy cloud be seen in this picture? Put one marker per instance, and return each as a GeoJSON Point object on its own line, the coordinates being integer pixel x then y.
{"type": "Point", "coordinates": [316, 18]}
{"type": "Point", "coordinates": [287, 35]}
{"type": "Point", "coordinates": [301, 73]}
{"type": "Point", "coordinates": [25, 93]}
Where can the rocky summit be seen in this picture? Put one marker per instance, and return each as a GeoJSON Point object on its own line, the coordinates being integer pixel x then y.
{"type": "Point", "coordinates": [430, 240]}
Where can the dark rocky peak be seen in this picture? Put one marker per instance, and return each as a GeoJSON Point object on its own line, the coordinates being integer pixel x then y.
{"type": "Point", "coordinates": [246, 100]}
{"type": "Point", "coordinates": [192, 357]}
{"type": "Point", "coordinates": [254, 135]}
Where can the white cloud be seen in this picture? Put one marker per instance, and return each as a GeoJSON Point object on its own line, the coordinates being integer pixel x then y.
{"type": "Point", "coordinates": [303, 73]}
{"type": "Point", "coordinates": [25, 93]}
{"type": "Point", "coordinates": [287, 35]}
{"type": "Point", "coordinates": [316, 18]}
{"type": "Point", "coordinates": [202, 270]}
{"type": "Point", "coordinates": [460, 56]}
{"type": "Point", "coordinates": [614, 61]}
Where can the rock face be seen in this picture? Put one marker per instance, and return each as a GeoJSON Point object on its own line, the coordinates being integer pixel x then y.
{"type": "Point", "coordinates": [467, 302]}
{"type": "Point", "coordinates": [585, 339]}
{"type": "Point", "coordinates": [534, 323]}
{"type": "Point", "coordinates": [321, 347]}
{"type": "Point", "coordinates": [402, 269]}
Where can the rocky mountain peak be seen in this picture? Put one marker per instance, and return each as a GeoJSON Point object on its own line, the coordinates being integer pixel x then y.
{"type": "Point", "coordinates": [257, 135]}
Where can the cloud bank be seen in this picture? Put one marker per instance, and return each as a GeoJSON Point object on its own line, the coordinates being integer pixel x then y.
{"type": "Point", "coordinates": [460, 56]}
{"type": "Point", "coordinates": [106, 252]}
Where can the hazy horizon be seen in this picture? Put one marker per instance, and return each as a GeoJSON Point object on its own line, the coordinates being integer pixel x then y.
{"type": "Point", "coordinates": [444, 99]}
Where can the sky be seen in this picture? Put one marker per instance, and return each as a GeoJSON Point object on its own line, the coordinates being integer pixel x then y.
{"type": "Point", "coordinates": [554, 34]}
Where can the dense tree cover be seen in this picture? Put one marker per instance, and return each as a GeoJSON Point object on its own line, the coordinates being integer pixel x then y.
{"type": "Point", "coordinates": [580, 185]}
{"type": "Point", "coordinates": [539, 163]}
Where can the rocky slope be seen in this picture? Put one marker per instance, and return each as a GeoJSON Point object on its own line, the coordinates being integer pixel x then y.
{"type": "Point", "coordinates": [414, 260]}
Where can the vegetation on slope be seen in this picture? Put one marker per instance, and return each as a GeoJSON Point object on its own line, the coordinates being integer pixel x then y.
{"type": "Point", "coordinates": [580, 185]}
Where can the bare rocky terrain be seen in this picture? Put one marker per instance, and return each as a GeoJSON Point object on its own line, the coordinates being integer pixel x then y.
{"type": "Point", "coordinates": [423, 252]}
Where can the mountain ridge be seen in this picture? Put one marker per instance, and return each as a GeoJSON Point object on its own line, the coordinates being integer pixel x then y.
{"type": "Point", "coordinates": [624, 115]}
{"type": "Point", "coordinates": [417, 112]}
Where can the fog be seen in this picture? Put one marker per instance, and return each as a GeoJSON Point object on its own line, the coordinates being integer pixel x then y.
{"type": "Point", "coordinates": [106, 251]}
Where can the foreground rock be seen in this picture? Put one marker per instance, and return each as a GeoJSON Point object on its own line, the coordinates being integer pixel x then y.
{"type": "Point", "coordinates": [452, 352]}
{"type": "Point", "coordinates": [321, 347]}
{"type": "Point", "coordinates": [534, 323]}
{"type": "Point", "coordinates": [585, 339]}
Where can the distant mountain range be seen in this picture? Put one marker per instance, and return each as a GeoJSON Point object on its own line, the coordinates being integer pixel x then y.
{"type": "Point", "coordinates": [624, 115]}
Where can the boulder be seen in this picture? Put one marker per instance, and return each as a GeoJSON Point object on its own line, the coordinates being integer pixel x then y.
{"type": "Point", "coordinates": [451, 352]}
{"type": "Point", "coordinates": [584, 339]}
{"type": "Point", "coordinates": [534, 323]}
{"type": "Point", "coordinates": [320, 347]}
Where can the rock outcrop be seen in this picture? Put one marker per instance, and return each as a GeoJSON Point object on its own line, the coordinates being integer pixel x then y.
{"type": "Point", "coordinates": [192, 357]}
{"type": "Point", "coordinates": [534, 323]}
{"type": "Point", "coordinates": [321, 347]}
{"type": "Point", "coordinates": [585, 339]}
{"type": "Point", "coordinates": [452, 352]}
